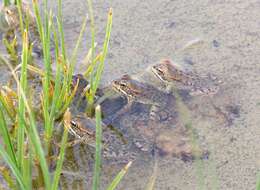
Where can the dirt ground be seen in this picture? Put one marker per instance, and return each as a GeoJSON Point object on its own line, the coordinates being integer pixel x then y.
{"type": "Point", "coordinates": [228, 45]}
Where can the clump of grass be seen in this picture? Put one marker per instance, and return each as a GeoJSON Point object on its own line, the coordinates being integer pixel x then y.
{"type": "Point", "coordinates": [24, 151]}
{"type": "Point", "coordinates": [95, 69]}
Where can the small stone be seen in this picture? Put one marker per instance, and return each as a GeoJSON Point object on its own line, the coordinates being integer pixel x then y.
{"type": "Point", "coordinates": [215, 43]}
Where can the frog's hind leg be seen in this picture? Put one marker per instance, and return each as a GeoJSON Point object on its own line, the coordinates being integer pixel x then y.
{"type": "Point", "coordinates": [153, 114]}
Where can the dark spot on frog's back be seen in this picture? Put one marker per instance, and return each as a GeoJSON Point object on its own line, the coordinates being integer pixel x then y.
{"type": "Point", "coordinates": [185, 95]}
{"type": "Point", "coordinates": [139, 108]}
{"type": "Point", "coordinates": [111, 105]}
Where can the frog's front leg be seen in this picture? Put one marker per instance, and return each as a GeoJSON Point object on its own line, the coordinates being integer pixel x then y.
{"type": "Point", "coordinates": [169, 89]}
{"type": "Point", "coordinates": [110, 119]}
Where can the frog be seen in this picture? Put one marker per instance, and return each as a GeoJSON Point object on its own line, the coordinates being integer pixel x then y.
{"type": "Point", "coordinates": [82, 131]}
{"type": "Point", "coordinates": [182, 78]}
{"type": "Point", "coordinates": [115, 146]}
{"type": "Point", "coordinates": [10, 26]}
{"type": "Point", "coordinates": [137, 91]}
{"type": "Point", "coordinates": [204, 91]}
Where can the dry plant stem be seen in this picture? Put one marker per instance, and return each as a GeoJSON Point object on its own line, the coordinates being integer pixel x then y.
{"type": "Point", "coordinates": [119, 177]}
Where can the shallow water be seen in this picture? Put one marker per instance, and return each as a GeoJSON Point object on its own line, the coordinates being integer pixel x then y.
{"type": "Point", "coordinates": [220, 37]}
{"type": "Point", "coordinates": [225, 37]}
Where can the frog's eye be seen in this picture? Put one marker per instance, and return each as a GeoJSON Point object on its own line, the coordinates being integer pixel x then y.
{"type": "Point", "coordinates": [9, 12]}
{"type": "Point", "coordinates": [73, 123]}
{"type": "Point", "coordinates": [123, 84]}
{"type": "Point", "coordinates": [159, 69]}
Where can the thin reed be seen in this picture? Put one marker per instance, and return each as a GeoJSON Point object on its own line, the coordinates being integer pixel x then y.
{"type": "Point", "coordinates": [96, 179]}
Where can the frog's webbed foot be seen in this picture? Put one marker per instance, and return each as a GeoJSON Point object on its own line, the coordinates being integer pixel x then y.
{"type": "Point", "coordinates": [154, 112]}
{"type": "Point", "coordinates": [158, 113]}
{"type": "Point", "coordinates": [200, 91]}
{"type": "Point", "coordinates": [82, 140]}
{"type": "Point", "coordinates": [142, 144]}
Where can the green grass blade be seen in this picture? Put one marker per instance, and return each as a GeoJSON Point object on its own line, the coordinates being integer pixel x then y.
{"type": "Point", "coordinates": [11, 49]}
{"type": "Point", "coordinates": [75, 50]}
{"type": "Point", "coordinates": [151, 182]}
{"type": "Point", "coordinates": [104, 52]}
{"type": "Point", "coordinates": [79, 40]}
{"type": "Point", "coordinates": [32, 131]}
{"type": "Point", "coordinates": [6, 173]}
{"type": "Point", "coordinates": [90, 64]}
{"type": "Point", "coordinates": [27, 169]}
{"type": "Point", "coordinates": [7, 2]}
{"type": "Point", "coordinates": [60, 28]}
{"type": "Point", "coordinates": [119, 177]}
{"type": "Point", "coordinates": [21, 106]}
{"type": "Point", "coordinates": [24, 159]}
{"type": "Point", "coordinates": [258, 182]}
{"type": "Point", "coordinates": [67, 120]}
{"type": "Point", "coordinates": [13, 168]}
{"type": "Point", "coordinates": [19, 6]}
{"type": "Point", "coordinates": [58, 79]}
{"type": "Point", "coordinates": [45, 41]}
{"type": "Point", "coordinates": [95, 76]}
{"type": "Point", "coordinates": [92, 28]}
{"type": "Point", "coordinates": [96, 179]}
{"type": "Point", "coordinates": [62, 106]}
{"type": "Point", "coordinates": [7, 105]}
{"type": "Point", "coordinates": [38, 20]}
{"type": "Point", "coordinates": [6, 138]}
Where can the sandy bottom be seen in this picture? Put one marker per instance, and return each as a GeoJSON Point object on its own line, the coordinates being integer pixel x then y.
{"type": "Point", "coordinates": [228, 39]}
{"type": "Point", "coordinates": [226, 42]}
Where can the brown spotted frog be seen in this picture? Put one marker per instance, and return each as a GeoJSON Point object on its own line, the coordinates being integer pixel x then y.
{"type": "Point", "coordinates": [144, 93]}
{"type": "Point", "coordinates": [173, 74]}
{"type": "Point", "coordinates": [10, 25]}
{"type": "Point", "coordinates": [83, 131]}
{"type": "Point", "coordinates": [115, 146]}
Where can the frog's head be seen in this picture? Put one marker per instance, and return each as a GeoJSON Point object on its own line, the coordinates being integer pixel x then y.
{"type": "Point", "coordinates": [9, 18]}
{"type": "Point", "coordinates": [127, 86]}
{"type": "Point", "coordinates": [167, 71]}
